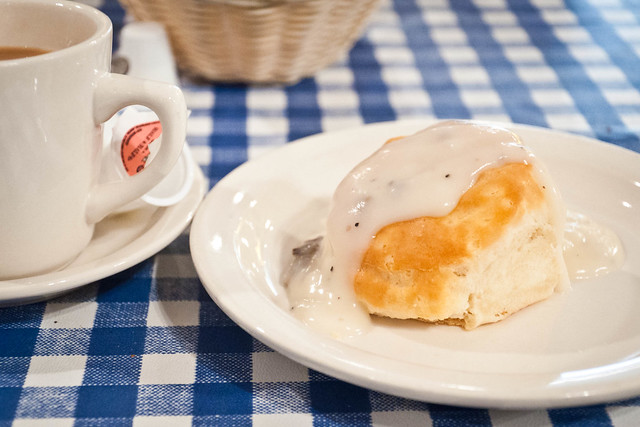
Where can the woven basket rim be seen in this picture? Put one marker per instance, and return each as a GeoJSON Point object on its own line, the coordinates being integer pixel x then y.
{"type": "Point", "coordinates": [243, 44]}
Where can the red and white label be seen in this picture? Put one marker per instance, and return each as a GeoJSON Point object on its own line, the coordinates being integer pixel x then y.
{"type": "Point", "coordinates": [134, 150]}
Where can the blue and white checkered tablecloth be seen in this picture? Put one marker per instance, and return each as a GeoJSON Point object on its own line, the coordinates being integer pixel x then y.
{"type": "Point", "coordinates": [148, 346]}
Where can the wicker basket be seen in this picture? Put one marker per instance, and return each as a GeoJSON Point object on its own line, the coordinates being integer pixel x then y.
{"type": "Point", "coordinates": [262, 41]}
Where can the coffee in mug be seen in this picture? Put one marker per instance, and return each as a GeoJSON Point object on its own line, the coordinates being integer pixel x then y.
{"type": "Point", "coordinates": [17, 52]}
{"type": "Point", "coordinates": [53, 108]}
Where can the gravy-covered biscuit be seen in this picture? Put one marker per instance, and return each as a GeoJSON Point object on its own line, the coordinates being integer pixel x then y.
{"type": "Point", "coordinates": [493, 255]}
{"type": "Point", "coordinates": [458, 223]}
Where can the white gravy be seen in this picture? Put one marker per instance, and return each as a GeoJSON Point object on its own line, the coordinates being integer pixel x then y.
{"type": "Point", "coordinates": [391, 186]}
{"type": "Point", "coordinates": [590, 249]}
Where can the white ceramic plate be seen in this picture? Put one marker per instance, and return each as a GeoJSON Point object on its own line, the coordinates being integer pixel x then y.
{"type": "Point", "coordinates": [578, 348]}
{"type": "Point", "coordinates": [119, 242]}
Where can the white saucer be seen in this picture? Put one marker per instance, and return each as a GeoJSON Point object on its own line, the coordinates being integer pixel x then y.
{"type": "Point", "coordinates": [578, 348]}
{"type": "Point", "coordinates": [119, 242]}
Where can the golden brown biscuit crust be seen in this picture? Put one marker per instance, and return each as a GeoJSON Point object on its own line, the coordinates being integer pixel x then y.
{"type": "Point", "coordinates": [414, 269]}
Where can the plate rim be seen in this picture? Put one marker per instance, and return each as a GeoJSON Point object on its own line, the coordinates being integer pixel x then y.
{"type": "Point", "coordinates": [367, 377]}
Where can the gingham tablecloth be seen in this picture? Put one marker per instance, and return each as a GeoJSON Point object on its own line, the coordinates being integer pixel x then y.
{"type": "Point", "coordinates": [148, 346]}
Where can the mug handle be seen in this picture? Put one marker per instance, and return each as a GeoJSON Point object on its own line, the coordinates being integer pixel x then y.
{"type": "Point", "coordinates": [114, 92]}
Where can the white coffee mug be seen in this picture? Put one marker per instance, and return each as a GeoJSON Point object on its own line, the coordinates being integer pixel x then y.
{"type": "Point", "coordinates": [52, 107]}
